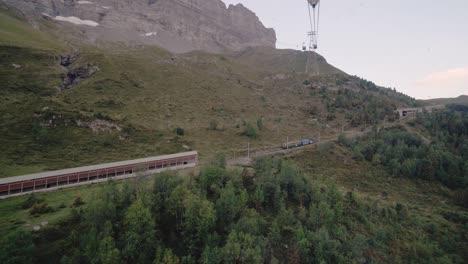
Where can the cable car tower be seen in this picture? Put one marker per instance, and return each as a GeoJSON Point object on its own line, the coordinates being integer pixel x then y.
{"type": "Point", "coordinates": [314, 17]}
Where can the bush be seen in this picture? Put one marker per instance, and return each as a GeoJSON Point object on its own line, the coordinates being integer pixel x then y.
{"type": "Point", "coordinates": [77, 202]}
{"type": "Point", "coordinates": [461, 198]}
{"type": "Point", "coordinates": [344, 141]}
{"type": "Point", "coordinates": [31, 201]}
{"type": "Point", "coordinates": [260, 124]}
{"type": "Point", "coordinates": [331, 117]}
{"type": "Point", "coordinates": [250, 131]}
{"type": "Point", "coordinates": [102, 116]}
{"type": "Point", "coordinates": [401, 210]}
{"type": "Point", "coordinates": [219, 160]}
{"type": "Point", "coordinates": [40, 208]}
{"type": "Point", "coordinates": [325, 147]}
{"type": "Point", "coordinates": [180, 131]}
{"type": "Point", "coordinates": [16, 247]}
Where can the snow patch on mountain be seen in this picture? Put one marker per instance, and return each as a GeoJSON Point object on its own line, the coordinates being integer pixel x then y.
{"type": "Point", "coordinates": [150, 34]}
{"type": "Point", "coordinates": [77, 21]}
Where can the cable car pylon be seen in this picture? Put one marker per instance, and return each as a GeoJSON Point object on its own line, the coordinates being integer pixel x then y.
{"type": "Point", "coordinates": [313, 7]}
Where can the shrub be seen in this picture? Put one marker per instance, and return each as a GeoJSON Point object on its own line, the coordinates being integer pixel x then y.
{"type": "Point", "coordinates": [102, 116]}
{"type": "Point", "coordinates": [77, 202]}
{"type": "Point", "coordinates": [344, 141]}
{"type": "Point", "coordinates": [325, 147]}
{"type": "Point", "coordinates": [339, 82]}
{"type": "Point", "coordinates": [180, 131]}
{"type": "Point", "coordinates": [260, 124]}
{"type": "Point", "coordinates": [331, 117]}
{"type": "Point", "coordinates": [17, 247]}
{"type": "Point", "coordinates": [401, 210]}
{"type": "Point", "coordinates": [219, 160]}
{"type": "Point", "coordinates": [40, 208]}
{"type": "Point", "coordinates": [461, 198]}
{"type": "Point", "coordinates": [250, 131]}
{"type": "Point", "coordinates": [31, 201]}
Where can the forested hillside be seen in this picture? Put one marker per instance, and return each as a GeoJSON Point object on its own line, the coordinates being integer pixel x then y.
{"type": "Point", "coordinates": [272, 213]}
{"type": "Point", "coordinates": [436, 148]}
{"type": "Point", "coordinates": [374, 199]}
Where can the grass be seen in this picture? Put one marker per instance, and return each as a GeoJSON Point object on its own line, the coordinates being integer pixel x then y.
{"type": "Point", "coordinates": [14, 217]}
{"type": "Point", "coordinates": [8, 170]}
{"type": "Point", "coordinates": [16, 32]}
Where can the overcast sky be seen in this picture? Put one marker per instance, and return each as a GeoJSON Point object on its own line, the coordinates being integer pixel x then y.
{"type": "Point", "coordinates": [420, 47]}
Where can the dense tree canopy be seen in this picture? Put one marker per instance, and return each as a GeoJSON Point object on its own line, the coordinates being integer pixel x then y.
{"type": "Point", "coordinates": [276, 215]}
{"type": "Point", "coordinates": [444, 157]}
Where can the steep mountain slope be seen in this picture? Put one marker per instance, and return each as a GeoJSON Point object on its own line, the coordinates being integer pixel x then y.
{"type": "Point", "coordinates": [176, 25]}
{"type": "Point", "coordinates": [68, 104]}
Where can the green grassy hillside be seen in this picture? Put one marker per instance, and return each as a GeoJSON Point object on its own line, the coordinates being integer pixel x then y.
{"type": "Point", "coordinates": [145, 93]}
{"type": "Point", "coordinates": [14, 31]}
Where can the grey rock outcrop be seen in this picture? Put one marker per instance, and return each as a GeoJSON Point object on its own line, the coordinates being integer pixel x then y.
{"type": "Point", "coordinates": [177, 25]}
{"type": "Point", "coordinates": [74, 75]}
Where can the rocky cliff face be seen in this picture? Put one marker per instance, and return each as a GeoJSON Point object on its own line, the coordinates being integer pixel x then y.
{"type": "Point", "coordinates": [177, 25]}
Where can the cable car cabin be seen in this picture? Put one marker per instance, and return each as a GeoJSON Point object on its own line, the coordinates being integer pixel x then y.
{"type": "Point", "coordinates": [19, 185]}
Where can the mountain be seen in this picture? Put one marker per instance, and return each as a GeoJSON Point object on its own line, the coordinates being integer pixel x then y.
{"type": "Point", "coordinates": [71, 103]}
{"type": "Point", "coordinates": [175, 25]}
{"type": "Point", "coordinates": [462, 99]}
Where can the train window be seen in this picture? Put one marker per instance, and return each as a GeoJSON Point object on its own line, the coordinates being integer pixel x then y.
{"type": "Point", "coordinates": [173, 164]}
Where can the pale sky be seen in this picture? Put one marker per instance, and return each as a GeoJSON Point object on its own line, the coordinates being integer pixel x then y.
{"type": "Point", "coordinates": [420, 47]}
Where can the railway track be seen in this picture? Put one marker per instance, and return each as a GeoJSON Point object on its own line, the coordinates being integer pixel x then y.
{"type": "Point", "coordinates": [277, 150]}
